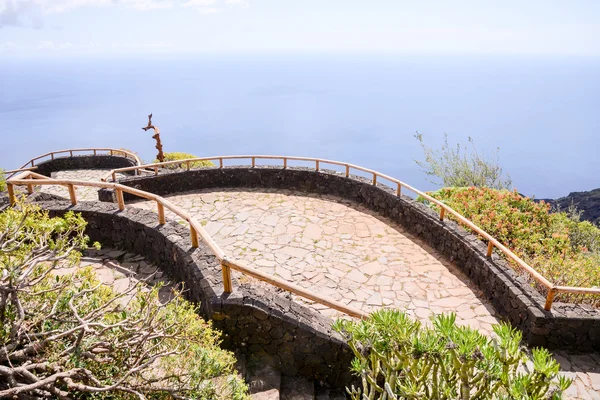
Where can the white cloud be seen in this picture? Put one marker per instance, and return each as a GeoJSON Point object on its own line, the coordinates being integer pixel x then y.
{"type": "Point", "coordinates": [199, 3]}
{"type": "Point", "coordinates": [8, 46]}
{"type": "Point", "coordinates": [30, 12]}
{"type": "Point", "coordinates": [149, 4]}
{"type": "Point", "coordinates": [50, 45]}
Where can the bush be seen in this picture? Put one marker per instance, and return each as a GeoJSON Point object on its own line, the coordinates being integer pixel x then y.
{"type": "Point", "coordinates": [462, 168]}
{"type": "Point", "coordinates": [397, 358]}
{"type": "Point", "coordinates": [2, 181]}
{"type": "Point", "coordinates": [558, 246]}
{"type": "Point", "coordinates": [81, 339]}
{"type": "Point", "coordinates": [182, 156]}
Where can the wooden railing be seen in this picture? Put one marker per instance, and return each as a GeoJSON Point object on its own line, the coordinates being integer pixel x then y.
{"type": "Point", "coordinates": [94, 151]}
{"type": "Point", "coordinates": [376, 178]}
{"type": "Point", "coordinates": [31, 179]}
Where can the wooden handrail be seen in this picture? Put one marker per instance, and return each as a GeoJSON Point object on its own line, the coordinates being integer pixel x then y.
{"type": "Point", "coordinates": [95, 150]}
{"type": "Point", "coordinates": [196, 229]}
{"type": "Point", "coordinates": [444, 209]}
{"type": "Point", "coordinates": [14, 171]}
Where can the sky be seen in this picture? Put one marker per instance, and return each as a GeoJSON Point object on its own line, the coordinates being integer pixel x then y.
{"type": "Point", "coordinates": [60, 28]}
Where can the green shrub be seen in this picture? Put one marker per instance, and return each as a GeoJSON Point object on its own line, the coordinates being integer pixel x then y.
{"type": "Point", "coordinates": [561, 248]}
{"type": "Point", "coordinates": [2, 181]}
{"type": "Point", "coordinates": [397, 358]}
{"type": "Point", "coordinates": [82, 339]}
{"type": "Point", "coordinates": [462, 166]}
{"type": "Point", "coordinates": [182, 156]}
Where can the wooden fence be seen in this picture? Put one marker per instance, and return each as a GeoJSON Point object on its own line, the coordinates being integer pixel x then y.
{"type": "Point", "coordinates": [30, 179]}
{"type": "Point", "coordinates": [71, 152]}
{"type": "Point", "coordinates": [376, 177]}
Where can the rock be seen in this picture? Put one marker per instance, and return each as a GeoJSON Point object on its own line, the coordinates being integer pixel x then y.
{"type": "Point", "coordinates": [588, 202]}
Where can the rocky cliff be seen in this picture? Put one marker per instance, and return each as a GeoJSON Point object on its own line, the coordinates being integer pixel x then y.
{"type": "Point", "coordinates": [588, 202]}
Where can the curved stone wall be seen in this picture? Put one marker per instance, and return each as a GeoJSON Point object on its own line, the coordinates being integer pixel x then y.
{"type": "Point", "coordinates": [263, 323]}
{"type": "Point", "coordinates": [100, 161]}
{"type": "Point", "coordinates": [566, 326]}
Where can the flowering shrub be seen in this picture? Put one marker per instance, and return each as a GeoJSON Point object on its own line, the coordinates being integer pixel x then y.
{"type": "Point", "coordinates": [564, 250]}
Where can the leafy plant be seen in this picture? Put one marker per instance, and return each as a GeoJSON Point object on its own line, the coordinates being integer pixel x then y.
{"type": "Point", "coordinates": [69, 336]}
{"type": "Point", "coordinates": [182, 156]}
{"type": "Point", "coordinates": [462, 166]}
{"type": "Point", "coordinates": [2, 181]}
{"type": "Point", "coordinates": [398, 358]}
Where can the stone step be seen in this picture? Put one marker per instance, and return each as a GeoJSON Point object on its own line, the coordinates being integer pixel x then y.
{"type": "Point", "coordinates": [330, 394]}
{"type": "Point", "coordinates": [264, 382]}
{"type": "Point", "coordinates": [297, 388]}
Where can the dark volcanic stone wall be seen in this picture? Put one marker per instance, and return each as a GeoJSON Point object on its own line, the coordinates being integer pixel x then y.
{"type": "Point", "coordinates": [100, 161]}
{"type": "Point", "coordinates": [566, 326]}
{"type": "Point", "coordinates": [257, 320]}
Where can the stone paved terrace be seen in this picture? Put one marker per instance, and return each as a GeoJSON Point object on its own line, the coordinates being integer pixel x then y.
{"type": "Point", "coordinates": [337, 248]}
{"type": "Point", "coordinates": [83, 193]}
{"type": "Point", "coordinates": [323, 243]}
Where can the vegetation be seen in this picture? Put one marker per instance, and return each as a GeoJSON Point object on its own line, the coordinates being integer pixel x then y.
{"type": "Point", "coordinates": [397, 358]}
{"type": "Point", "coordinates": [562, 248]}
{"type": "Point", "coordinates": [68, 336]}
{"type": "Point", "coordinates": [462, 166]}
{"type": "Point", "coordinates": [182, 156]}
{"type": "Point", "coordinates": [2, 181]}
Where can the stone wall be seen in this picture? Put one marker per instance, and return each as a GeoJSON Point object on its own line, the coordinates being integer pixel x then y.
{"type": "Point", "coordinates": [567, 326]}
{"type": "Point", "coordinates": [259, 321]}
{"type": "Point", "coordinates": [100, 161]}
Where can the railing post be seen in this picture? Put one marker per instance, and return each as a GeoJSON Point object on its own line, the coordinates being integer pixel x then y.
{"type": "Point", "coordinates": [194, 236]}
{"type": "Point", "coordinates": [227, 285]}
{"type": "Point", "coordinates": [253, 162]}
{"type": "Point", "coordinates": [114, 176]}
{"type": "Point", "coordinates": [442, 213]}
{"type": "Point", "coordinates": [284, 163]}
{"type": "Point", "coordinates": [94, 151]}
{"type": "Point", "coordinates": [188, 165]}
{"type": "Point", "coordinates": [71, 153]}
{"type": "Point", "coordinates": [490, 249]}
{"type": "Point", "coordinates": [120, 199]}
{"type": "Point", "coordinates": [156, 170]}
{"type": "Point", "coordinates": [30, 186]}
{"type": "Point", "coordinates": [317, 165]}
{"type": "Point", "coordinates": [347, 171]}
{"type": "Point", "coordinates": [161, 213]}
{"type": "Point", "coordinates": [51, 157]}
{"type": "Point", "coordinates": [72, 194]}
{"type": "Point", "coordinates": [549, 299]}
{"type": "Point", "coordinates": [111, 152]}
{"type": "Point", "coordinates": [220, 163]}
{"type": "Point", "coordinates": [374, 179]}
{"type": "Point", "coordinates": [399, 190]}
{"type": "Point", "coordinates": [11, 193]}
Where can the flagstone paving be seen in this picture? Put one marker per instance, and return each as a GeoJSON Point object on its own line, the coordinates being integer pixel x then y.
{"type": "Point", "coordinates": [336, 248]}
{"type": "Point", "coordinates": [83, 193]}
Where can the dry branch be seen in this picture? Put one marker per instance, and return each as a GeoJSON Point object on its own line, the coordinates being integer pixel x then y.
{"type": "Point", "coordinates": [160, 156]}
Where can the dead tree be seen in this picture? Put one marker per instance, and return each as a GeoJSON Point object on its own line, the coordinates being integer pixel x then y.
{"type": "Point", "coordinates": [160, 156]}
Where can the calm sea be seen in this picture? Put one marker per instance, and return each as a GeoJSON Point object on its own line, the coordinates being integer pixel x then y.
{"type": "Point", "coordinates": [543, 113]}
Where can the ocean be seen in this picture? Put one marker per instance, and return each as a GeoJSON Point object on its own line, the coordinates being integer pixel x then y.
{"type": "Point", "coordinates": [543, 113]}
